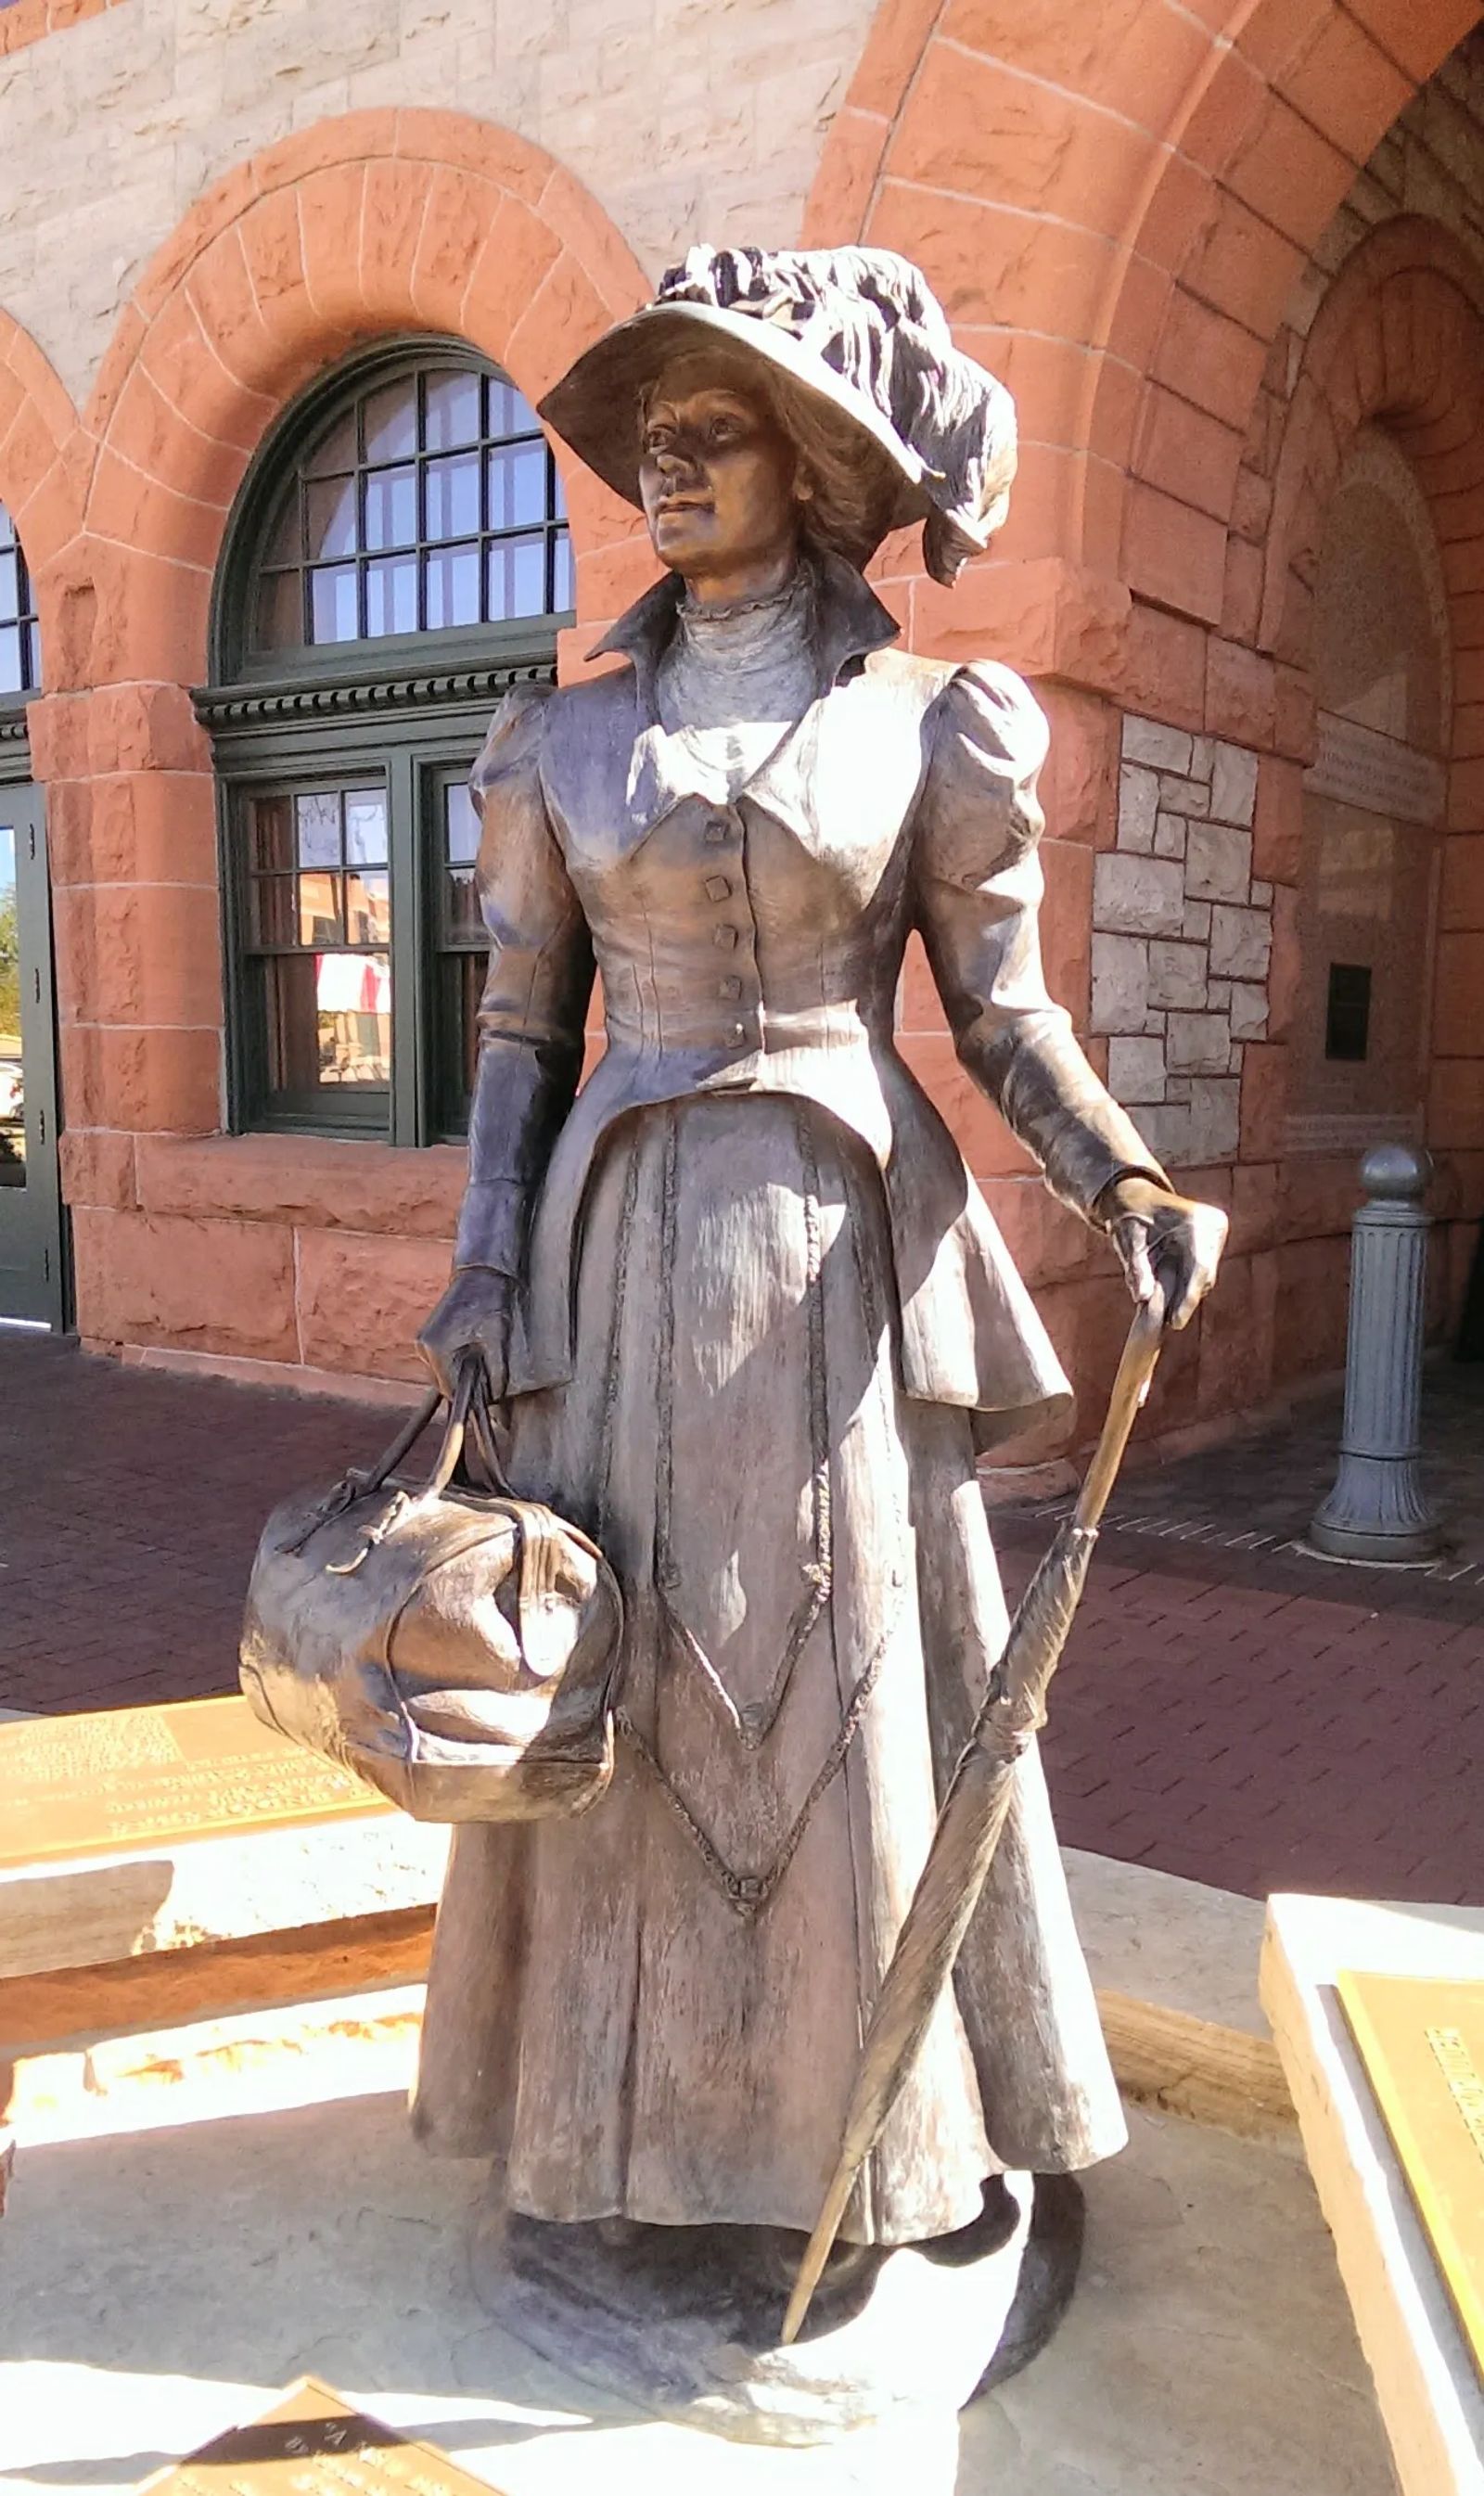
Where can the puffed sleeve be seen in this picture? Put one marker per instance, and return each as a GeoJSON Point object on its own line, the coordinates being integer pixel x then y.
{"type": "Point", "coordinates": [535, 995]}
{"type": "Point", "coordinates": [978, 890]}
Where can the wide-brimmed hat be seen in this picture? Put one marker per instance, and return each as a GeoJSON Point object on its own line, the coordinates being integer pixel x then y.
{"type": "Point", "coordinates": [852, 332]}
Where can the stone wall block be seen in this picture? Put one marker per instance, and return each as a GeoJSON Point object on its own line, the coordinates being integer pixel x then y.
{"type": "Point", "coordinates": [144, 728]}
{"type": "Point", "coordinates": [1195, 920]}
{"type": "Point", "coordinates": [1177, 975]}
{"type": "Point", "coordinates": [1190, 796]}
{"type": "Point", "coordinates": [1121, 983]}
{"type": "Point", "coordinates": [1249, 1011]}
{"type": "Point", "coordinates": [200, 1286]}
{"type": "Point", "coordinates": [1219, 862]}
{"type": "Point", "coordinates": [1143, 896]}
{"type": "Point", "coordinates": [312, 1181]}
{"type": "Point", "coordinates": [361, 1299]}
{"type": "Point", "coordinates": [1216, 1120]}
{"type": "Point", "coordinates": [1137, 1070]}
{"type": "Point", "coordinates": [97, 1167]}
{"type": "Point", "coordinates": [1138, 802]}
{"type": "Point", "coordinates": [1233, 784]}
{"type": "Point", "coordinates": [1241, 942]}
{"type": "Point", "coordinates": [1199, 1044]}
{"type": "Point", "coordinates": [1171, 832]}
{"type": "Point", "coordinates": [1161, 748]}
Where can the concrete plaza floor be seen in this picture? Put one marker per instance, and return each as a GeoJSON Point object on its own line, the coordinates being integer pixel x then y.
{"type": "Point", "coordinates": [1229, 1708]}
{"type": "Point", "coordinates": [159, 2286]}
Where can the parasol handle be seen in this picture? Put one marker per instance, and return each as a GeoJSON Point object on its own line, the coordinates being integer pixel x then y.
{"type": "Point", "coordinates": [1130, 1388]}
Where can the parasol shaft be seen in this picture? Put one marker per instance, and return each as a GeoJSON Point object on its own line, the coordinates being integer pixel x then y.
{"type": "Point", "coordinates": [974, 1810]}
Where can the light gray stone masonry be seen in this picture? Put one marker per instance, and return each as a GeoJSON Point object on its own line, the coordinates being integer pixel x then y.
{"type": "Point", "coordinates": [1177, 921]}
{"type": "Point", "coordinates": [1136, 1069]}
{"type": "Point", "coordinates": [686, 118]}
{"type": "Point", "coordinates": [1138, 895]}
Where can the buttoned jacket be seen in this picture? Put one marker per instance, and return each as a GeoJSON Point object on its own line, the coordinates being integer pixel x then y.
{"type": "Point", "coordinates": [753, 943]}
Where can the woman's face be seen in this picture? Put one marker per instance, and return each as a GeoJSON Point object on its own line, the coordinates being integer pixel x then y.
{"type": "Point", "coordinates": [718, 477]}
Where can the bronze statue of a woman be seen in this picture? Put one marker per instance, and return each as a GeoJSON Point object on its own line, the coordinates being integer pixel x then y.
{"type": "Point", "coordinates": [751, 1316]}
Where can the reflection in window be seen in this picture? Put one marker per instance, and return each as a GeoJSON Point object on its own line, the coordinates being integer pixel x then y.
{"type": "Point", "coordinates": [463, 943]}
{"type": "Point", "coordinates": [318, 940]}
{"type": "Point", "coordinates": [432, 502]}
{"type": "Point", "coordinates": [20, 649]}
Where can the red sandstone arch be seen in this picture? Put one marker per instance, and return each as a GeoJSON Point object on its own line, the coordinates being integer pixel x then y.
{"type": "Point", "coordinates": [44, 467]}
{"type": "Point", "coordinates": [1112, 202]}
{"type": "Point", "coordinates": [358, 228]}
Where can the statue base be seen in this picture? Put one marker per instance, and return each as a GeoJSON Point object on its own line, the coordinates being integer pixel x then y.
{"type": "Point", "coordinates": [683, 2322]}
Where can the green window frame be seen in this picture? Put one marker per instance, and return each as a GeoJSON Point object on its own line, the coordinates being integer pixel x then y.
{"type": "Point", "coordinates": [414, 483]}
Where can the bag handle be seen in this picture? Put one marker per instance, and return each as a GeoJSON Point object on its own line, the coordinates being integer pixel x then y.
{"type": "Point", "coordinates": [469, 1421]}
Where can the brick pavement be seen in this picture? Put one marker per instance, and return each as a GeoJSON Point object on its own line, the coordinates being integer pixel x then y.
{"type": "Point", "coordinates": [1228, 1709]}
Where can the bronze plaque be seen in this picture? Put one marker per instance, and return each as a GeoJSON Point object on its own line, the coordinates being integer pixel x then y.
{"type": "Point", "coordinates": [311, 2444]}
{"type": "Point", "coordinates": [76, 1786]}
{"type": "Point", "coordinates": [1422, 2042]}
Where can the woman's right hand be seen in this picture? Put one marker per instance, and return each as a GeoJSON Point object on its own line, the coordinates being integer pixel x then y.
{"type": "Point", "coordinates": [473, 1315]}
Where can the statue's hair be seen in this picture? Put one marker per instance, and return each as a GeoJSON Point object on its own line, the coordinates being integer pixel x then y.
{"type": "Point", "coordinates": [852, 486]}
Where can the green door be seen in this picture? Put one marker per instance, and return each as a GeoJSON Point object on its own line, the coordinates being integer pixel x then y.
{"type": "Point", "coordinates": [31, 1261]}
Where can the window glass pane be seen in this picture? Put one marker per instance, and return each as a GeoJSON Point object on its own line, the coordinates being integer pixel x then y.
{"type": "Point", "coordinates": [452, 497]}
{"type": "Point", "coordinates": [332, 603]}
{"type": "Point", "coordinates": [319, 909]}
{"type": "Point", "coordinates": [563, 594]}
{"type": "Point", "coordinates": [330, 513]}
{"type": "Point", "coordinates": [353, 1016]}
{"type": "Point", "coordinates": [391, 596]}
{"type": "Point", "coordinates": [367, 909]}
{"type": "Point", "coordinates": [391, 422]}
{"type": "Point", "coordinates": [453, 404]}
{"type": "Point", "coordinates": [9, 591]}
{"type": "Point", "coordinates": [461, 905]}
{"type": "Point", "coordinates": [280, 624]}
{"type": "Point", "coordinates": [508, 412]}
{"type": "Point", "coordinates": [461, 826]}
{"type": "Point", "coordinates": [452, 583]}
{"type": "Point", "coordinates": [13, 1080]}
{"type": "Point", "coordinates": [391, 507]}
{"type": "Point", "coordinates": [517, 578]}
{"type": "Point", "coordinates": [273, 907]}
{"type": "Point", "coordinates": [271, 841]}
{"type": "Point", "coordinates": [517, 485]}
{"type": "Point", "coordinates": [282, 543]}
{"type": "Point", "coordinates": [11, 682]}
{"type": "Point", "coordinates": [32, 636]}
{"type": "Point", "coordinates": [7, 527]}
{"type": "Point", "coordinates": [335, 449]}
{"type": "Point", "coordinates": [317, 818]}
{"type": "Point", "coordinates": [365, 826]}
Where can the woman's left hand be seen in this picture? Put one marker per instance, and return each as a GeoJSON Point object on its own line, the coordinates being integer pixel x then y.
{"type": "Point", "coordinates": [1167, 1243]}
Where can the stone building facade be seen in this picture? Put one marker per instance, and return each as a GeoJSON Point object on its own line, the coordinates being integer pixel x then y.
{"type": "Point", "coordinates": [1231, 260]}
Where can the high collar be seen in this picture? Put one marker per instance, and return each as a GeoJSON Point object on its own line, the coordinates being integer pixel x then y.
{"type": "Point", "coordinates": [852, 621]}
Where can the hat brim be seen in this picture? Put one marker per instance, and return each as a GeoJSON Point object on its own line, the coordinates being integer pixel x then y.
{"type": "Point", "coordinates": [594, 406]}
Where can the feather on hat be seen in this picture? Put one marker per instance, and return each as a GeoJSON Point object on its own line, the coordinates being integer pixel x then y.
{"type": "Point", "coordinates": [857, 330]}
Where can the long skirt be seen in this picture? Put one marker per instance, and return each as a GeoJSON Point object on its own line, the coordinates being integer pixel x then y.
{"type": "Point", "coordinates": [656, 2009]}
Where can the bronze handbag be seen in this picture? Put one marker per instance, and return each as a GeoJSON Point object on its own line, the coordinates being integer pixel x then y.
{"type": "Point", "coordinates": [454, 1645]}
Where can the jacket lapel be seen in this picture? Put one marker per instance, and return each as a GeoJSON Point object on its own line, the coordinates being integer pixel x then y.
{"type": "Point", "coordinates": [665, 769]}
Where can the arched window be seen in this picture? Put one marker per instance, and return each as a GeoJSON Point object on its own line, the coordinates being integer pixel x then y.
{"type": "Point", "coordinates": [398, 558]}
{"type": "Point", "coordinates": [20, 649]}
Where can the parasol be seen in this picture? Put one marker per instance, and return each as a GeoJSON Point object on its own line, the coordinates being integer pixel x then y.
{"type": "Point", "coordinates": [976, 1806]}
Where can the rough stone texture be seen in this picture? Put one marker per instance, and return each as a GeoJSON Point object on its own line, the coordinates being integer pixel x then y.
{"type": "Point", "coordinates": [1143, 895]}
{"type": "Point", "coordinates": [1181, 868]}
{"type": "Point", "coordinates": [309, 2237]}
{"type": "Point", "coordinates": [725, 145]}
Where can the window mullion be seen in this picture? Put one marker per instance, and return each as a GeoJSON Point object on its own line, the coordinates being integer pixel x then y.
{"type": "Point", "coordinates": [409, 950]}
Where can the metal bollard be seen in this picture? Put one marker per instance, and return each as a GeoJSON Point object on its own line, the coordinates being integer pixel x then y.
{"type": "Point", "coordinates": [1377, 1509]}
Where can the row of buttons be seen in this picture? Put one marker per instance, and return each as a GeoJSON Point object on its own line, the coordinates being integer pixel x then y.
{"type": "Point", "coordinates": [725, 937]}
